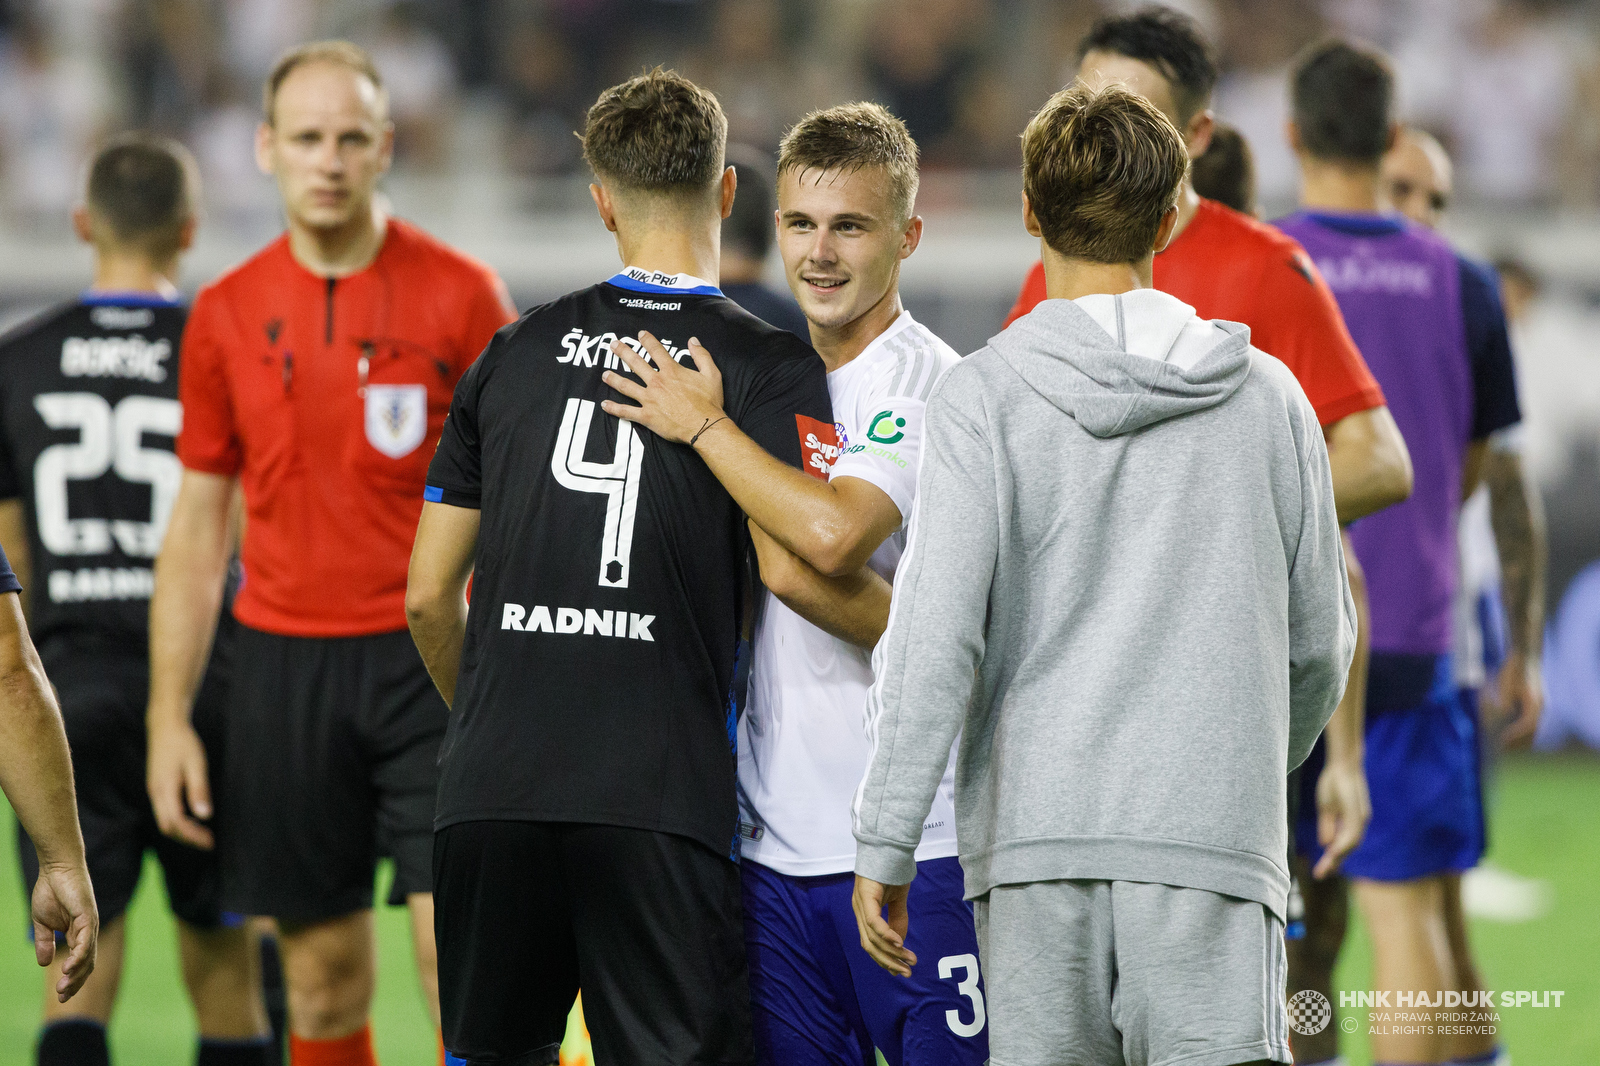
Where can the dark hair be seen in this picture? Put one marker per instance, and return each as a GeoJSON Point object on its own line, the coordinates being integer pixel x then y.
{"type": "Point", "coordinates": [143, 189]}
{"type": "Point", "coordinates": [1226, 171]}
{"type": "Point", "coordinates": [749, 229]}
{"type": "Point", "coordinates": [1101, 167]}
{"type": "Point", "coordinates": [1343, 97]}
{"type": "Point", "coordinates": [658, 132]}
{"type": "Point", "coordinates": [852, 136]}
{"type": "Point", "coordinates": [340, 53]}
{"type": "Point", "coordinates": [1170, 42]}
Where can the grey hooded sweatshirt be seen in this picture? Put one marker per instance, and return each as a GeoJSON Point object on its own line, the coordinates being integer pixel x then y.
{"type": "Point", "coordinates": [1124, 587]}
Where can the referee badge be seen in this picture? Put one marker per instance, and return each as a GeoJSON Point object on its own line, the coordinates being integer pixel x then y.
{"type": "Point", "coordinates": [397, 418]}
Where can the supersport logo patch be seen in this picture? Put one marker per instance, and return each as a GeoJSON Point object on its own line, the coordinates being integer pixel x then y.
{"type": "Point", "coordinates": [819, 446]}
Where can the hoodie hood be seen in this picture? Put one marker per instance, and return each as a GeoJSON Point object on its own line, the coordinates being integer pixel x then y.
{"type": "Point", "coordinates": [1120, 363]}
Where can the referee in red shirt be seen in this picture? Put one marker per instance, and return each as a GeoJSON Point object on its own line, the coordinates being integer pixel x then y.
{"type": "Point", "coordinates": [316, 376]}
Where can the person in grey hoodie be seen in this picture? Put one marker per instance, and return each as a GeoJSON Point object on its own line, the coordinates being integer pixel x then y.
{"type": "Point", "coordinates": [1124, 588]}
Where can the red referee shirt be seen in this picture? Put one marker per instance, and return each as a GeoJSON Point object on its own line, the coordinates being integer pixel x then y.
{"type": "Point", "coordinates": [1230, 266]}
{"type": "Point", "coordinates": [326, 397]}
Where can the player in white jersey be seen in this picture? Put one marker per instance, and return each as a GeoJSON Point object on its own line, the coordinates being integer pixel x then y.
{"type": "Point", "coordinates": [847, 181]}
{"type": "Point", "coordinates": [802, 738]}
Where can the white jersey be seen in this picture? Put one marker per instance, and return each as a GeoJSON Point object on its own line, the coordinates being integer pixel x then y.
{"type": "Point", "coordinates": [802, 741]}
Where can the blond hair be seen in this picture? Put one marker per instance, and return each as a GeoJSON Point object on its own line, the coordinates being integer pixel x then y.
{"type": "Point", "coordinates": [850, 137]}
{"type": "Point", "coordinates": [1100, 168]}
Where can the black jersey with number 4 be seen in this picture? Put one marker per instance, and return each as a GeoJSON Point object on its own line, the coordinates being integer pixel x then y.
{"type": "Point", "coordinates": [606, 599]}
{"type": "Point", "coordinates": [88, 418]}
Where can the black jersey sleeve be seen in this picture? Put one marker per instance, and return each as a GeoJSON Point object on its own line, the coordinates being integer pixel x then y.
{"type": "Point", "coordinates": [786, 409]}
{"type": "Point", "coordinates": [8, 577]}
{"type": "Point", "coordinates": [455, 476]}
{"type": "Point", "coordinates": [10, 482]}
{"type": "Point", "coordinates": [1494, 379]}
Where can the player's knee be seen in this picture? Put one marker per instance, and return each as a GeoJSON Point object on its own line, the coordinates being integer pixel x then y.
{"type": "Point", "coordinates": [218, 970]}
{"type": "Point", "coordinates": [329, 980]}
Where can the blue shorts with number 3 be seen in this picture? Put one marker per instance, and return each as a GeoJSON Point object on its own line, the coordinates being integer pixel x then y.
{"type": "Point", "coordinates": [819, 1000]}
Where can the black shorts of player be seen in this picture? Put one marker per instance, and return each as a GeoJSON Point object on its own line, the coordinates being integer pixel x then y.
{"type": "Point", "coordinates": [331, 741]}
{"type": "Point", "coordinates": [650, 926]}
{"type": "Point", "coordinates": [102, 683]}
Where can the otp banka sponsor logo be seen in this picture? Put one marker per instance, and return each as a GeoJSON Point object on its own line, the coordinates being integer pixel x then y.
{"type": "Point", "coordinates": [886, 428]}
{"type": "Point", "coordinates": [572, 621]}
{"type": "Point", "coordinates": [580, 349]}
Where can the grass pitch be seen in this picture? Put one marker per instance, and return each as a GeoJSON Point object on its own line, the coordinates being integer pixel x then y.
{"type": "Point", "coordinates": [1545, 822]}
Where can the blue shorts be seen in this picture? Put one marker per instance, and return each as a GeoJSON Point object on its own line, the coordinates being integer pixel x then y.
{"type": "Point", "coordinates": [1423, 772]}
{"type": "Point", "coordinates": [819, 1000]}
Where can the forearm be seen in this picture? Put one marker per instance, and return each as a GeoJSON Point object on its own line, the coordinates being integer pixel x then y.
{"type": "Point", "coordinates": [190, 575]}
{"type": "Point", "coordinates": [35, 765]}
{"type": "Point", "coordinates": [854, 607]}
{"type": "Point", "coordinates": [1518, 520]}
{"type": "Point", "coordinates": [14, 541]}
{"type": "Point", "coordinates": [804, 514]}
{"type": "Point", "coordinates": [438, 627]}
{"type": "Point", "coordinates": [1345, 734]}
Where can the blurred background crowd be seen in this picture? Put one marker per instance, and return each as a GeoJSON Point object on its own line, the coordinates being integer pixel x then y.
{"type": "Point", "coordinates": [486, 96]}
{"type": "Point", "coordinates": [1512, 87]}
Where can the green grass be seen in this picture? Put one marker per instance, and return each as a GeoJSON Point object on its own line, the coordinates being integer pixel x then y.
{"type": "Point", "coordinates": [1544, 821]}
{"type": "Point", "coordinates": [1545, 816]}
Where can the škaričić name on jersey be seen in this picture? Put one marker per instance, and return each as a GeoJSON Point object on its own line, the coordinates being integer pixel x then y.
{"type": "Point", "coordinates": [583, 350]}
{"type": "Point", "coordinates": [574, 621]}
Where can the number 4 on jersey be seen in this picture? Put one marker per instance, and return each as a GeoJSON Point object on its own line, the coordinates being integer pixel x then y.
{"type": "Point", "coordinates": [618, 480]}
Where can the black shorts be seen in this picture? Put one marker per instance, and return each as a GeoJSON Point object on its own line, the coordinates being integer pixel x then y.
{"type": "Point", "coordinates": [650, 926]}
{"type": "Point", "coordinates": [330, 742]}
{"type": "Point", "coordinates": [103, 685]}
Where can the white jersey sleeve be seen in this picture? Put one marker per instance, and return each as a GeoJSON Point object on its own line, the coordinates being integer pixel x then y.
{"type": "Point", "coordinates": [888, 412]}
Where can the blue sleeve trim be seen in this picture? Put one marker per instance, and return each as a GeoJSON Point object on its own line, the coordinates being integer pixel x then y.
{"type": "Point", "coordinates": [433, 494]}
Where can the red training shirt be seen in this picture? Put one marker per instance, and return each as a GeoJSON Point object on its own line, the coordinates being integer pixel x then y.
{"type": "Point", "coordinates": [333, 466]}
{"type": "Point", "coordinates": [1230, 266]}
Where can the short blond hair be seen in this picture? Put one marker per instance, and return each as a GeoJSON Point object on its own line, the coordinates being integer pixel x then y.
{"type": "Point", "coordinates": [340, 53]}
{"type": "Point", "coordinates": [850, 137]}
{"type": "Point", "coordinates": [1101, 167]}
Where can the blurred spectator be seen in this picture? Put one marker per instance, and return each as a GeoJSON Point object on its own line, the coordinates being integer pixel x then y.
{"type": "Point", "coordinates": [420, 75]}
{"type": "Point", "coordinates": [1512, 104]}
{"type": "Point", "coordinates": [168, 49]}
{"type": "Point", "coordinates": [239, 197]}
{"type": "Point", "coordinates": [752, 72]}
{"type": "Point", "coordinates": [1572, 667]}
{"type": "Point", "coordinates": [1226, 172]}
{"type": "Point", "coordinates": [920, 54]}
{"type": "Point", "coordinates": [1258, 38]}
{"type": "Point", "coordinates": [257, 32]}
{"type": "Point", "coordinates": [51, 110]}
{"type": "Point", "coordinates": [747, 237]}
{"type": "Point", "coordinates": [547, 96]}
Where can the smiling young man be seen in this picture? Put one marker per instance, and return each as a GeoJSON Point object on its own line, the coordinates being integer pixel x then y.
{"type": "Point", "coordinates": [316, 376]}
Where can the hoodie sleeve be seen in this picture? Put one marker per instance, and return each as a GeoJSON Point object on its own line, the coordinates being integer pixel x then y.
{"type": "Point", "coordinates": [923, 667]}
{"type": "Point", "coordinates": [1322, 614]}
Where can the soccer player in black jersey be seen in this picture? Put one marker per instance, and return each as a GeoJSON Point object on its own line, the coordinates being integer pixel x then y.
{"type": "Point", "coordinates": [88, 415]}
{"type": "Point", "coordinates": [586, 830]}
